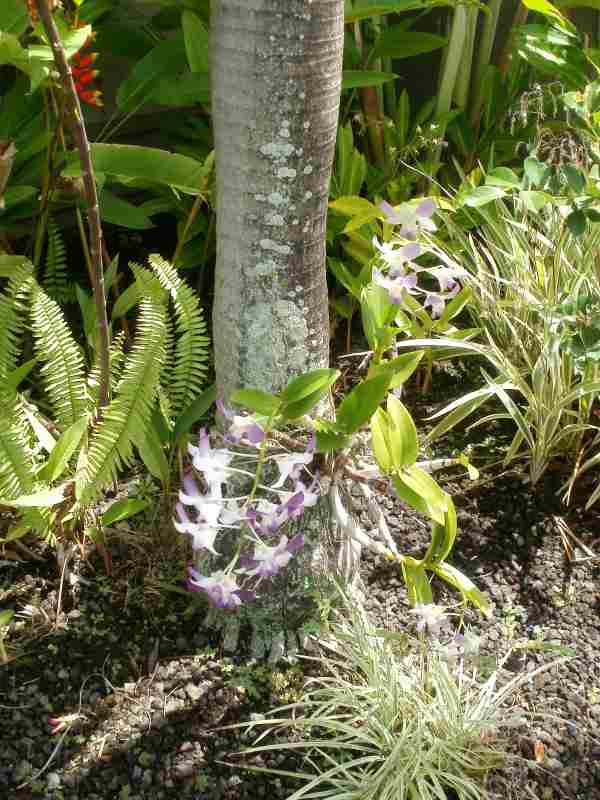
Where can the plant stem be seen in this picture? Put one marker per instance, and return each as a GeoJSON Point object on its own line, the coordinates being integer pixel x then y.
{"type": "Point", "coordinates": [484, 55]}
{"type": "Point", "coordinates": [186, 228]}
{"type": "Point", "coordinates": [75, 120]}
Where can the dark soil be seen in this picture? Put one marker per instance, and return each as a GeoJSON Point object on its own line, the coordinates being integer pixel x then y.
{"type": "Point", "coordinates": [147, 685]}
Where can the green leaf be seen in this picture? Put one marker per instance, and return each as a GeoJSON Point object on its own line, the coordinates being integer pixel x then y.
{"type": "Point", "coordinates": [400, 369]}
{"type": "Point", "coordinates": [422, 484]}
{"type": "Point", "coordinates": [257, 400]}
{"type": "Point", "coordinates": [442, 538]}
{"type": "Point", "coordinates": [5, 617]}
{"type": "Point", "coordinates": [503, 177]}
{"type": "Point", "coordinates": [150, 447]}
{"type": "Point", "coordinates": [318, 380]}
{"type": "Point", "coordinates": [355, 207]}
{"type": "Point", "coordinates": [380, 439]}
{"type": "Point", "coordinates": [345, 277]}
{"type": "Point", "coordinates": [396, 42]}
{"type": "Point", "coordinates": [327, 441]}
{"type": "Point", "coordinates": [535, 201]}
{"type": "Point", "coordinates": [482, 195]}
{"type": "Point", "coordinates": [464, 585]}
{"type": "Point", "coordinates": [403, 436]}
{"type": "Point", "coordinates": [14, 378]}
{"type": "Point", "coordinates": [123, 509]}
{"type": "Point", "coordinates": [143, 163]}
{"type": "Point", "coordinates": [575, 178]}
{"type": "Point", "coordinates": [548, 10]}
{"type": "Point", "coordinates": [195, 36]}
{"type": "Point", "coordinates": [417, 582]}
{"type": "Point", "coordinates": [355, 79]}
{"type": "Point", "coordinates": [64, 448]}
{"type": "Point", "coordinates": [187, 89]}
{"type": "Point", "coordinates": [166, 60]}
{"type": "Point", "coordinates": [301, 407]}
{"type": "Point", "coordinates": [42, 499]}
{"type": "Point", "coordinates": [455, 306]}
{"type": "Point", "coordinates": [14, 18]}
{"type": "Point", "coordinates": [359, 10]}
{"type": "Point", "coordinates": [194, 411]}
{"type": "Point", "coordinates": [363, 401]}
{"type": "Point", "coordinates": [536, 171]}
{"type": "Point", "coordinates": [120, 212]}
{"type": "Point", "coordinates": [576, 222]}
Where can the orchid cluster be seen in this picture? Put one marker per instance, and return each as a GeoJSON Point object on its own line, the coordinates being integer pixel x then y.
{"type": "Point", "coordinates": [259, 520]}
{"type": "Point", "coordinates": [402, 275]}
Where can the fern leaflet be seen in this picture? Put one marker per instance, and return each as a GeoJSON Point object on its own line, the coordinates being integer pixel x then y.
{"type": "Point", "coordinates": [63, 372]}
{"type": "Point", "coordinates": [56, 282]}
{"type": "Point", "coordinates": [127, 416]}
{"type": "Point", "coordinates": [189, 368]}
{"type": "Point", "coordinates": [12, 311]}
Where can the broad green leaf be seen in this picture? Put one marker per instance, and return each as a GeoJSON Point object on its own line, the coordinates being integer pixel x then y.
{"type": "Point", "coordinates": [150, 447]}
{"type": "Point", "coordinates": [376, 311]}
{"type": "Point", "coordinates": [195, 35]}
{"type": "Point", "coordinates": [548, 10]}
{"type": "Point", "coordinates": [345, 277]}
{"type": "Point", "coordinates": [42, 499]}
{"type": "Point", "coordinates": [126, 301]}
{"type": "Point", "coordinates": [359, 10]}
{"type": "Point", "coordinates": [426, 487]}
{"type": "Point", "coordinates": [64, 448]}
{"type": "Point", "coordinates": [143, 163]}
{"type": "Point", "coordinates": [257, 400]}
{"type": "Point", "coordinates": [363, 401]}
{"type": "Point", "coordinates": [482, 195]}
{"type": "Point", "coordinates": [575, 178]}
{"type": "Point", "coordinates": [400, 368]}
{"type": "Point", "coordinates": [42, 434]}
{"type": "Point", "coordinates": [535, 170]}
{"type": "Point", "coordinates": [396, 42]}
{"type": "Point", "coordinates": [355, 79]}
{"type": "Point", "coordinates": [318, 380]}
{"type": "Point", "coordinates": [355, 207]}
{"type": "Point", "coordinates": [464, 585]}
{"type": "Point", "coordinates": [535, 201]}
{"type": "Point", "coordinates": [187, 89]}
{"type": "Point", "coordinates": [166, 60]}
{"type": "Point", "coordinates": [120, 212]}
{"type": "Point", "coordinates": [442, 538]}
{"type": "Point", "coordinates": [503, 177]}
{"type": "Point", "coordinates": [456, 305]}
{"type": "Point", "coordinates": [380, 428]}
{"type": "Point", "coordinates": [17, 195]}
{"type": "Point", "coordinates": [576, 222]}
{"type": "Point", "coordinates": [5, 617]}
{"type": "Point", "coordinates": [417, 582]}
{"type": "Point", "coordinates": [14, 18]}
{"type": "Point", "coordinates": [194, 411]}
{"type": "Point", "coordinates": [123, 509]}
{"type": "Point", "coordinates": [403, 436]}
{"type": "Point", "coordinates": [414, 499]}
{"type": "Point", "coordinates": [327, 441]}
{"type": "Point", "coordinates": [357, 222]}
{"type": "Point", "coordinates": [14, 378]}
{"type": "Point", "coordinates": [301, 407]}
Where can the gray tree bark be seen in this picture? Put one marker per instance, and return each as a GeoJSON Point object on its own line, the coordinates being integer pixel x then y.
{"type": "Point", "coordinates": [276, 75]}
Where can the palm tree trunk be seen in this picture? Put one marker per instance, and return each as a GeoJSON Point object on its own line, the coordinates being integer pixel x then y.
{"type": "Point", "coordinates": [276, 75]}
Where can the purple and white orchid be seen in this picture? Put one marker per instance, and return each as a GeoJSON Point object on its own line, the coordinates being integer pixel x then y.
{"type": "Point", "coordinates": [410, 217]}
{"type": "Point", "coordinates": [241, 430]}
{"type": "Point", "coordinates": [398, 287]}
{"type": "Point", "coordinates": [203, 534]}
{"type": "Point", "coordinates": [268, 561]}
{"type": "Point", "coordinates": [211, 463]}
{"type": "Point", "coordinates": [222, 588]}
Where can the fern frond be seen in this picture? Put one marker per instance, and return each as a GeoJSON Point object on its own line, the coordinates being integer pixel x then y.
{"type": "Point", "coordinates": [12, 315]}
{"type": "Point", "coordinates": [127, 415]}
{"type": "Point", "coordinates": [56, 282]}
{"type": "Point", "coordinates": [191, 347]}
{"type": "Point", "coordinates": [63, 371]}
{"type": "Point", "coordinates": [16, 461]}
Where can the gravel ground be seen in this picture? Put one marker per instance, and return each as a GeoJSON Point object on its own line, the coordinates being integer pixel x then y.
{"type": "Point", "coordinates": [142, 686]}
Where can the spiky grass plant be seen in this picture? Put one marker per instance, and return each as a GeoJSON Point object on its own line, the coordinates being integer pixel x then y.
{"type": "Point", "coordinates": [522, 270]}
{"type": "Point", "coordinates": [390, 722]}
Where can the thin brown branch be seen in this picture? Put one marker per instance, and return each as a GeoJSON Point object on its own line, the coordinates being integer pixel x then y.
{"type": "Point", "coordinates": [76, 123]}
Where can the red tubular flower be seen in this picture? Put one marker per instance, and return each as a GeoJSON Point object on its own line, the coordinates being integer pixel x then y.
{"type": "Point", "coordinates": [83, 74]}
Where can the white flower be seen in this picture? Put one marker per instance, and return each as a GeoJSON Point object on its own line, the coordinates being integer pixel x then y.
{"type": "Point", "coordinates": [289, 465]}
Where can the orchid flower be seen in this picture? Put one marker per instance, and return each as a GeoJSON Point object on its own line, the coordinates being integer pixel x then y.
{"type": "Point", "coordinates": [208, 506]}
{"type": "Point", "coordinates": [203, 534]}
{"type": "Point", "coordinates": [409, 217]}
{"type": "Point", "coordinates": [211, 463]}
{"type": "Point", "coordinates": [290, 465]}
{"type": "Point", "coordinates": [396, 287]}
{"type": "Point", "coordinates": [221, 588]}
{"type": "Point", "coordinates": [429, 617]}
{"type": "Point", "coordinates": [437, 300]}
{"type": "Point", "coordinates": [242, 430]}
{"type": "Point", "coordinates": [268, 561]}
{"type": "Point", "coordinates": [268, 523]}
{"type": "Point", "coordinates": [395, 256]}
